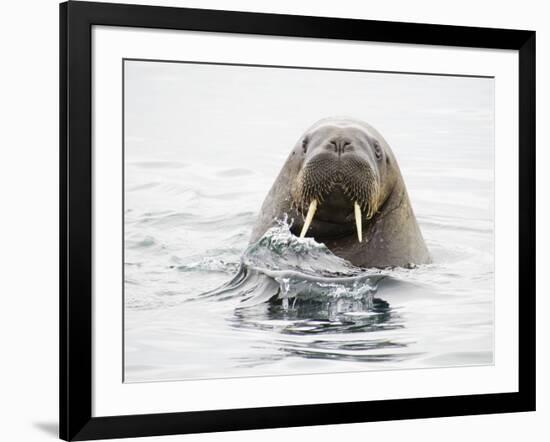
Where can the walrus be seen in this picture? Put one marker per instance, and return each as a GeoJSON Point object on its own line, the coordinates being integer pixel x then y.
{"type": "Point", "coordinates": [342, 186]}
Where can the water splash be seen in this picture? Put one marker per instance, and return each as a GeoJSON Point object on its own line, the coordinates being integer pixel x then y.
{"type": "Point", "coordinates": [285, 269]}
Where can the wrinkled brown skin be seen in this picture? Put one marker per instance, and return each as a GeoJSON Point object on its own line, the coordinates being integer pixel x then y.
{"type": "Point", "coordinates": [390, 238]}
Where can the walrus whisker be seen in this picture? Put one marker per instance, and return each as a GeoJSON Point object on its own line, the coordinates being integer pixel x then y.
{"type": "Point", "coordinates": [309, 217]}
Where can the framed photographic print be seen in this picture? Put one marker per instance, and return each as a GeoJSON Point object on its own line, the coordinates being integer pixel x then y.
{"type": "Point", "coordinates": [273, 220]}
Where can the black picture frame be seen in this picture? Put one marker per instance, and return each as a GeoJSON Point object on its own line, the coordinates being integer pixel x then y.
{"type": "Point", "coordinates": [76, 21]}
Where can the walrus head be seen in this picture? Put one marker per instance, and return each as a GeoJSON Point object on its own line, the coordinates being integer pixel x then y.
{"type": "Point", "coordinates": [341, 185]}
{"type": "Point", "coordinates": [345, 175]}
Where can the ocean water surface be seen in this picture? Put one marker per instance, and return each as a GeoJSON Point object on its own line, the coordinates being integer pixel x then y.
{"type": "Point", "coordinates": [203, 146]}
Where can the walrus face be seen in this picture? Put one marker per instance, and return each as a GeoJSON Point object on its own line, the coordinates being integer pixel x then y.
{"type": "Point", "coordinates": [339, 184]}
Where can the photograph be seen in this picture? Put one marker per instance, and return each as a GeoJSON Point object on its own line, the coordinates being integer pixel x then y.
{"type": "Point", "coordinates": [290, 220]}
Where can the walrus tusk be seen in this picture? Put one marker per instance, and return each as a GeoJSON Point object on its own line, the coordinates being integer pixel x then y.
{"type": "Point", "coordinates": [358, 222]}
{"type": "Point", "coordinates": [309, 217]}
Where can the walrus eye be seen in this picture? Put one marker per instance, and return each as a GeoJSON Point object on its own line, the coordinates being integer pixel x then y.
{"type": "Point", "coordinates": [377, 150]}
{"type": "Point", "coordinates": [304, 144]}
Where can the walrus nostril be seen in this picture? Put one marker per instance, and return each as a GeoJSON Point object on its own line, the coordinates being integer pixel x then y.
{"type": "Point", "coordinates": [339, 145]}
{"type": "Point", "coordinates": [334, 146]}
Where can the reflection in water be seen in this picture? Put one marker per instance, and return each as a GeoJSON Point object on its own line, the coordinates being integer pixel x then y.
{"type": "Point", "coordinates": [321, 321]}
{"type": "Point", "coordinates": [312, 317]}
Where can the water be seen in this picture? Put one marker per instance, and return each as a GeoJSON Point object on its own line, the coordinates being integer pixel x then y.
{"type": "Point", "coordinates": [200, 302]}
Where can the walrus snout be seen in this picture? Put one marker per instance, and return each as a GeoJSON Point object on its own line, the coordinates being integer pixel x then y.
{"type": "Point", "coordinates": [337, 185]}
{"type": "Point", "coordinates": [322, 174]}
